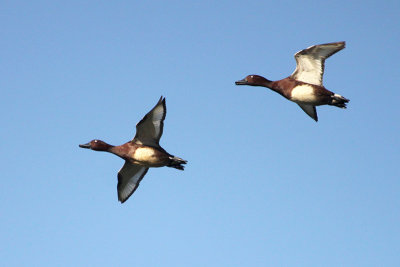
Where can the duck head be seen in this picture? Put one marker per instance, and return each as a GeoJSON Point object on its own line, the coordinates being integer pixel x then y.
{"type": "Point", "coordinates": [253, 80]}
{"type": "Point", "coordinates": [97, 145]}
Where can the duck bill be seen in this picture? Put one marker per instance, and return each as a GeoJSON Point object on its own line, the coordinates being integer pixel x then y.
{"type": "Point", "coordinates": [85, 145]}
{"type": "Point", "coordinates": [241, 82]}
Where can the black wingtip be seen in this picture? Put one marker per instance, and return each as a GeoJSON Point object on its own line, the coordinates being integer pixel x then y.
{"type": "Point", "coordinates": [316, 115]}
{"type": "Point", "coordinates": [161, 100]}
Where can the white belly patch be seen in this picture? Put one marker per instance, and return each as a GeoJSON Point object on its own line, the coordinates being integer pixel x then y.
{"type": "Point", "coordinates": [303, 94]}
{"type": "Point", "coordinates": [145, 155]}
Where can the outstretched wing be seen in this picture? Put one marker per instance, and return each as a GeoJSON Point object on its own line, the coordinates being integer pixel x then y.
{"type": "Point", "coordinates": [150, 128]}
{"type": "Point", "coordinates": [129, 177]}
{"type": "Point", "coordinates": [311, 61]}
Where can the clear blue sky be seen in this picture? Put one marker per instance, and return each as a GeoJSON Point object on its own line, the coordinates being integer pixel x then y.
{"type": "Point", "coordinates": [265, 185]}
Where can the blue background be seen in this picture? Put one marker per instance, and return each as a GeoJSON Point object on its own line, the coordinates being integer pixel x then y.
{"type": "Point", "coordinates": [265, 185]}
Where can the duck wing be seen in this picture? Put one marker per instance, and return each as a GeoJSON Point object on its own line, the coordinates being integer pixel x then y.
{"type": "Point", "coordinates": [311, 61]}
{"type": "Point", "coordinates": [129, 177]}
{"type": "Point", "coordinates": [150, 128]}
{"type": "Point", "coordinates": [310, 110]}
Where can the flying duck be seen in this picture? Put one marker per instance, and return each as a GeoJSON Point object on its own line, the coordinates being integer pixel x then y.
{"type": "Point", "coordinates": [141, 153]}
{"type": "Point", "coordinates": [304, 86]}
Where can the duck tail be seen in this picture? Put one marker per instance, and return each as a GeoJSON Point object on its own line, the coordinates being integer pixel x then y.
{"type": "Point", "coordinates": [339, 101]}
{"type": "Point", "coordinates": [176, 163]}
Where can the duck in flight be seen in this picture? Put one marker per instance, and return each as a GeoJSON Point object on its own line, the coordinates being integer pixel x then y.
{"type": "Point", "coordinates": [304, 86]}
{"type": "Point", "coordinates": [141, 153]}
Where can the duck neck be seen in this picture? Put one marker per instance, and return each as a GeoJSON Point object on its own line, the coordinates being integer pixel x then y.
{"type": "Point", "coordinates": [261, 81]}
{"type": "Point", "coordinates": [271, 85]}
{"type": "Point", "coordinates": [121, 151]}
{"type": "Point", "coordinates": [113, 149]}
